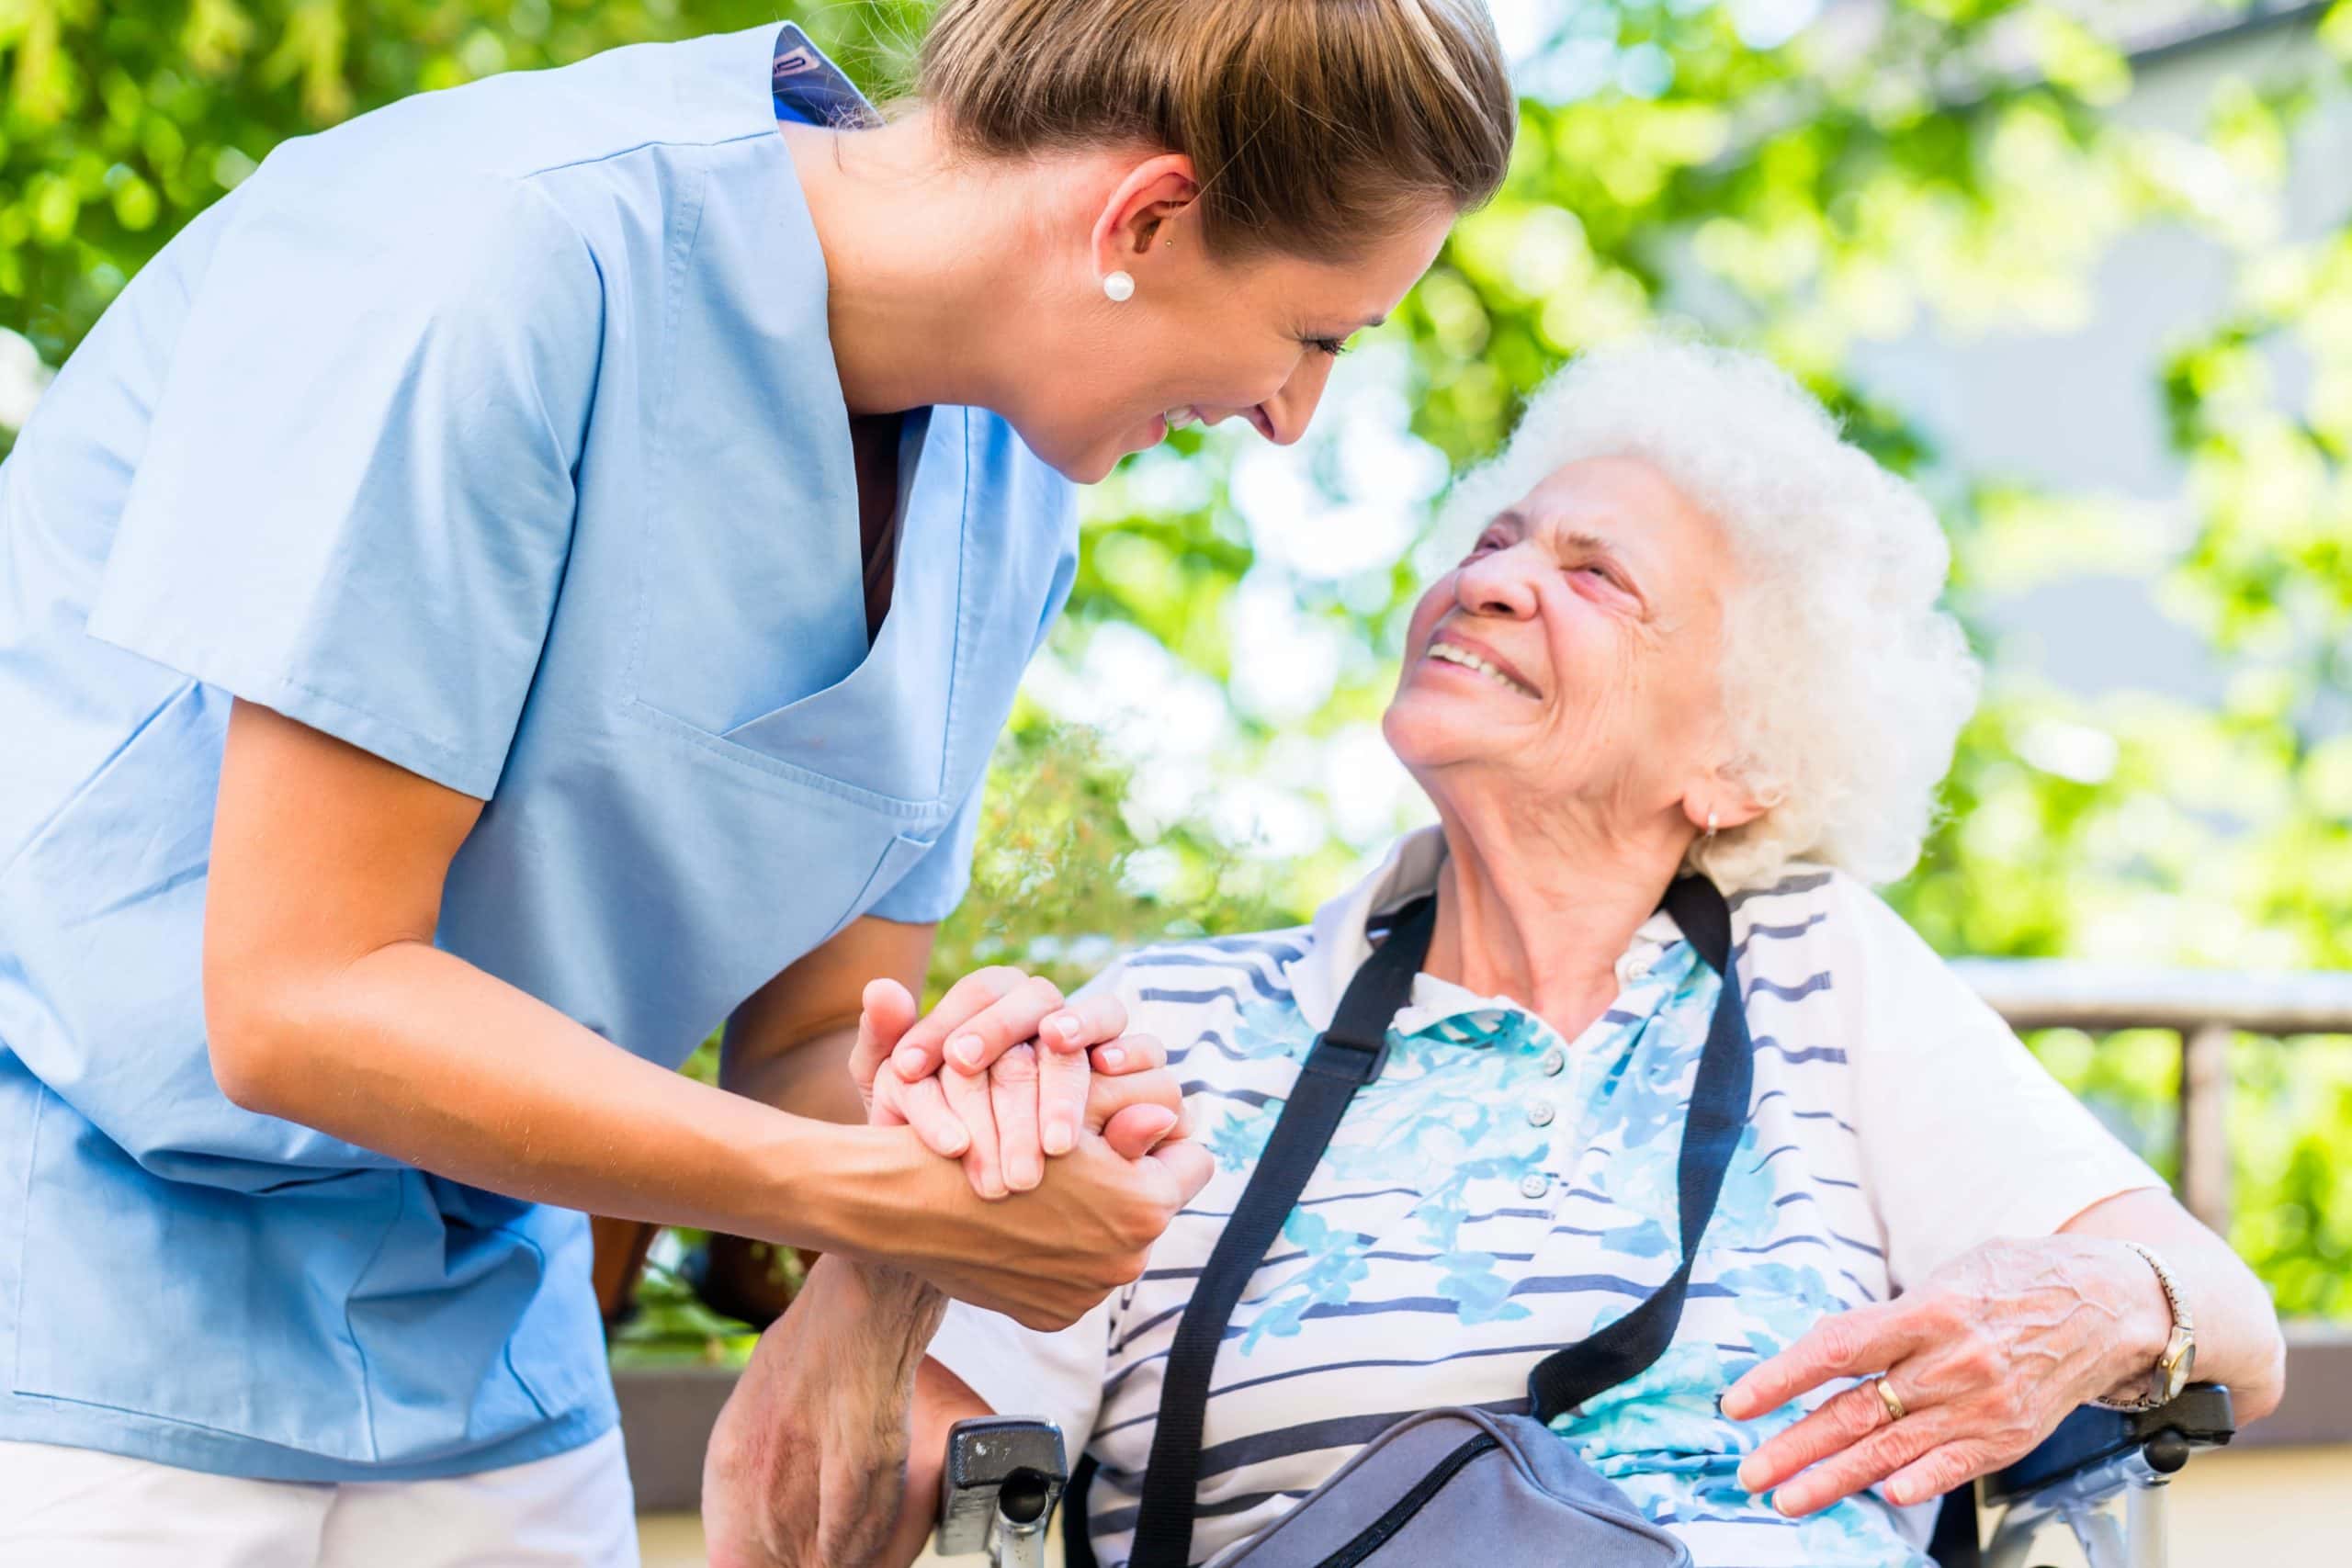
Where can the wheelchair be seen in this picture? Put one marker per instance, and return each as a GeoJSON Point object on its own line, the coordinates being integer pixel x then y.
{"type": "Point", "coordinates": [2100, 1479]}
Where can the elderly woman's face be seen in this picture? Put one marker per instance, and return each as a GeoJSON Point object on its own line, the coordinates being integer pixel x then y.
{"type": "Point", "coordinates": [1574, 653]}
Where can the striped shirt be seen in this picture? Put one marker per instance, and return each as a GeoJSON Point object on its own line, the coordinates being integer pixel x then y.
{"type": "Point", "coordinates": [1500, 1191]}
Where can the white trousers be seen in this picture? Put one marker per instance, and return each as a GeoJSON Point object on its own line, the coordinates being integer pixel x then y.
{"type": "Point", "coordinates": [78, 1508]}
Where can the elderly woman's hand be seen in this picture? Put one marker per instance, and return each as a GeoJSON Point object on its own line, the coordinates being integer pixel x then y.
{"type": "Point", "coordinates": [1984, 1357]}
{"type": "Point", "coordinates": [1003, 1074]}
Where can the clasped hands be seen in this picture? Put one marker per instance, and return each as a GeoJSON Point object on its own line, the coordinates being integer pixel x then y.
{"type": "Point", "coordinates": [1005, 1073]}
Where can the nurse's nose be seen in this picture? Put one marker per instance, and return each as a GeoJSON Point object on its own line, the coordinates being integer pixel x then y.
{"type": "Point", "coordinates": [1287, 413]}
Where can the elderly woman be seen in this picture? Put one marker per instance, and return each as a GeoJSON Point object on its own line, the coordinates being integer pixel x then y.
{"type": "Point", "coordinates": [1695, 632]}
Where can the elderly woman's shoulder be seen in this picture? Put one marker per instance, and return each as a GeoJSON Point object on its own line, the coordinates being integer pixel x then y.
{"type": "Point", "coordinates": [1814, 929]}
{"type": "Point", "coordinates": [1803, 898]}
{"type": "Point", "coordinates": [1250, 964]}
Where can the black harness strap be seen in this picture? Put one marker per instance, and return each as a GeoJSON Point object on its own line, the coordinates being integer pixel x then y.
{"type": "Point", "coordinates": [1624, 1349]}
{"type": "Point", "coordinates": [1350, 1055]}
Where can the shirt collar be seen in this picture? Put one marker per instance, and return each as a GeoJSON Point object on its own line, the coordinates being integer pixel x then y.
{"type": "Point", "coordinates": [1337, 947]}
{"type": "Point", "coordinates": [813, 90]}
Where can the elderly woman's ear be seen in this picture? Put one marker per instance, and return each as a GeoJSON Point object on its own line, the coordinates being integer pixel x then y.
{"type": "Point", "coordinates": [1719, 806]}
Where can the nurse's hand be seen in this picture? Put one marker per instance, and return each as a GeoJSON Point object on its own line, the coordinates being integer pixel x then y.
{"type": "Point", "coordinates": [1042, 1258]}
{"type": "Point", "coordinates": [982, 1016]}
{"type": "Point", "coordinates": [1046, 1070]}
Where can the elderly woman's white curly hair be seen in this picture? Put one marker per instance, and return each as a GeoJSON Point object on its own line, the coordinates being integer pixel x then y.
{"type": "Point", "coordinates": [1845, 684]}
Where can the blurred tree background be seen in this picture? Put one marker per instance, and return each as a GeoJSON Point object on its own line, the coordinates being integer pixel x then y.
{"type": "Point", "coordinates": [1814, 177]}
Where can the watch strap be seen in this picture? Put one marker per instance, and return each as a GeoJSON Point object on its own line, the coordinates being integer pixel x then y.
{"type": "Point", "coordinates": [2181, 1323]}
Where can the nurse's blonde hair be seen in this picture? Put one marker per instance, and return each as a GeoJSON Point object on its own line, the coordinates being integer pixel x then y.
{"type": "Point", "coordinates": [1315, 125]}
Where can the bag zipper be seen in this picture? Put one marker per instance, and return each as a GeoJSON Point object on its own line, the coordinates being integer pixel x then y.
{"type": "Point", "coordinates": [1375, 1536]}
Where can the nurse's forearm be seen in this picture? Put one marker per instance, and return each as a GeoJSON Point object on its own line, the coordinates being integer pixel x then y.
{"type": "Point", "coordinates": [412, 1051]}
{"type": "Point", "coordinates": [409, 1050]}
{"type": "Point", "coordinates": [327, 1002]}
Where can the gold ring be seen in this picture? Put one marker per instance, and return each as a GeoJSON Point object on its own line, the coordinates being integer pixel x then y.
{"type": "Point", "coordinates": [1886, 1396]}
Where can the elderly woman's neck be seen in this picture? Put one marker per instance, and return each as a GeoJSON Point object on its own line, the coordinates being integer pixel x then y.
{"type": "Point", "coordinates": [1542, 913]}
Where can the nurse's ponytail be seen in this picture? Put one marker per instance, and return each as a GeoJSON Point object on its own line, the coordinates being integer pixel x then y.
{"type": "Point", "coordinates": [1316, 125]}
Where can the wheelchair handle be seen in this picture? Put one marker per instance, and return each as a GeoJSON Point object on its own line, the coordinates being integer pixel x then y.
{"type": "Point", "coordinates": [1003, 1477]}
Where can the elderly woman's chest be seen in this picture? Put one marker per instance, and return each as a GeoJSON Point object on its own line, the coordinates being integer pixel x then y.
{"type": "Point", "coordinates": [1506, 1180]}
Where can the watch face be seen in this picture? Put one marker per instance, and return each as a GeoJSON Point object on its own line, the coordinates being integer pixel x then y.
{"type": "Point", "coordinates": [2176, 1365]}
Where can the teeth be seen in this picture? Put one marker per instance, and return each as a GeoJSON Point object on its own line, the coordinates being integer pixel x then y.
{"type": "Point", "coordinates": [1469, 661]}
{"type": "Point", "coordinates": [1179, 418]}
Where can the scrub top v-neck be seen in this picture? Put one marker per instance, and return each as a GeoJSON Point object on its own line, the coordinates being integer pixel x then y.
{"type": "Point", "coordinates": [497, 433]}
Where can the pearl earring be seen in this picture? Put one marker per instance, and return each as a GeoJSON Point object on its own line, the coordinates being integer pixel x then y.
{"type": "Point", "coordinates": [1711, 824]}
{"type": "Point", "coordinates": [1119, 285]}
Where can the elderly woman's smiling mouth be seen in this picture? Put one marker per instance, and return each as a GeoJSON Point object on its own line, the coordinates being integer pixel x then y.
{"type": "Point", "coordinates": [1449, 649]}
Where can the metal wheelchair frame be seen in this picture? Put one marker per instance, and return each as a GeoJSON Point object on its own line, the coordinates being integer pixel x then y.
{"type": "Point", "coordinates": [2099, 1478]}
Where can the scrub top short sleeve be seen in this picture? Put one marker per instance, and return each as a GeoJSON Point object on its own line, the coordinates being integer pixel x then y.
{"type": "Point", "coordinates": [934, 884]}
{"type": "Point", "coordinates": [358, 494]}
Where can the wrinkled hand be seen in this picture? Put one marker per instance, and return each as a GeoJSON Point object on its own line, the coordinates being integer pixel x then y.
{"type": "Point", "coordinates": [1987, 1355]}
{"type": "Point", "coordinates": [1003, 1074]}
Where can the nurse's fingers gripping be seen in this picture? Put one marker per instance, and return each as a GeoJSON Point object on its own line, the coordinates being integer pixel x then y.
{"type": "Point", "coordinates": [1138, 1130]}
{"type": "Point", "coordinates": [1013, 1096]}
{"type": "Point", "coordinates": [1187, 1166]}
{"type": "Point", "coordinates": [1107, 1098]}
{"type": "Point", "coordinates": [887, 1011]}
{"type": "Point", "coordinates": [919, 1051]}
{"type": "Point", "coordinates": [1090, 1021]}
{"type": "Point", "coordinates": [1012, 1020]}
{"type": "Point", "coordinates": [922, 1105]}
{"type": "Point", "coordinates": [967, 1097]}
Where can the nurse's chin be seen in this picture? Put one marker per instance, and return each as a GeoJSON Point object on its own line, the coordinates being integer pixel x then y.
{"type": "Point", "coordinates": [1094, 463]}
{"type": "Point", "coordinates": [1087, 457]}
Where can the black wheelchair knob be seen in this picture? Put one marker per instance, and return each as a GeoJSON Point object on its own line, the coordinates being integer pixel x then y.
{"type": "Point", "coordinates": [2166, 1452]}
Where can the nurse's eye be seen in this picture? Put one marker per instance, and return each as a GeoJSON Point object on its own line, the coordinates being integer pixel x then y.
{"type": "Point", "coordinates": [1331, 346]}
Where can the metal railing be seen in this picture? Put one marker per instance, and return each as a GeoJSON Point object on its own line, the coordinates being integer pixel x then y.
{"type": "Point", "coordinates": [2206, 1010]}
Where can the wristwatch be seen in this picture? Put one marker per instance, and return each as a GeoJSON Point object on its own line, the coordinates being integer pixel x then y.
{"type": "Point", "coordinates": [2177, 1363]}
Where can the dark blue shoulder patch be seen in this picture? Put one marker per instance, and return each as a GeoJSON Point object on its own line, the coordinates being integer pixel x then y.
{"type": "Point", "coordinates": [812, 89]}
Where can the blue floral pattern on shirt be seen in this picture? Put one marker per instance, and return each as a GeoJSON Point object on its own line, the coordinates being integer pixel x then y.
{"type": "Point", "coordinates": [1444, 1132]}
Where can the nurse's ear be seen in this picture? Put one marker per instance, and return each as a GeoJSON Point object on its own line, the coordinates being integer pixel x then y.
{"type": "Point", "coordinates": [1137, 217]}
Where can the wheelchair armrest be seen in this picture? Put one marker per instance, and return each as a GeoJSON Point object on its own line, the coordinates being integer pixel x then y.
{"type": "Point", "coordinates": [1001, 1472]}
{"type": "Point", "coordinates": [2091, 1437]}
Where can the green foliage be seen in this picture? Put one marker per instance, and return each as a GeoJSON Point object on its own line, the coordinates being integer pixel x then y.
{"type": "Point", "coordinates": [1805, 194]}
{"type": "Point", "coordinates": [671, 1324]}
{"type": "Point", "coordinates": [1061, 881]}
{"type": "Point", "coordinates": [122, 121]}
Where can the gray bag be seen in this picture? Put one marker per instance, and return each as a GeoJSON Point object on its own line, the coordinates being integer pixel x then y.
{"type": "Point", "coordinates": [1460, 1487]}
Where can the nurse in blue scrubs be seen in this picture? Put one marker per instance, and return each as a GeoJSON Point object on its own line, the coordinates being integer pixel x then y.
{"type": "Point", "coordinates": [535, 571]}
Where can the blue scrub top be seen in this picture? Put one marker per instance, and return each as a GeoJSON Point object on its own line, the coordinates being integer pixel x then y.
{"type": "Point", "coordinates": [497, 433]}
